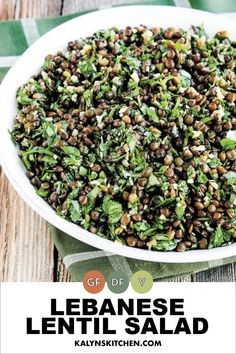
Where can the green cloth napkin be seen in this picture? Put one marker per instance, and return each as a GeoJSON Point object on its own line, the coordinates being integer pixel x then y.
{"type": "Point", "coordinates": [79, 257]}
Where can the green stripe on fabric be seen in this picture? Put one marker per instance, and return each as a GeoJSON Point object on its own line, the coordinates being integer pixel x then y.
{"type": "Point", "coordinates": [159, 271]}
{"type": "Point", "coordinates": [149, 2]}
{"type": "Point", "coordinates": [216, 6]}
{"type": "Point", "coordinates": [183, 3]}
{"type": "Point", "coordinates": [14, 42]}
{"type": "Point", "coordinates": [78, 270]}
{"type": "Point", "coordinates": [45, 25]}
{"type": "Point", "coordinates": [30, 30]}
{"type": "Point", "coordinates": [82, 256]}
{"type": "Point", "coordinates": [7, 62]}
{"type": "Point", "coordinates": [3, 72]}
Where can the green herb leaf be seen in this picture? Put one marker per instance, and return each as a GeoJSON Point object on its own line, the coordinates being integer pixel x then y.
{"type": "Point", "coordinates": [228, 144]}
{"type": "Point", "coordinates": [152, 181]}
{"type": "Point", "coordinates": [92, 195]}
{"type": "Point", "coordinates": [217, 238]}
{"type": "Point", "coordinates": [142, 226]}
{"type": "Point", "coordinates": [180, 208]}
{"type": "Point", "coordinates": [183, 188]}
{"type": "Point", "coordinates": [230, 174]}
{"type": "Point", "coordinates": [75, 211]}
{"type": "Point", "coordinates": [151, 112]}
{"type": "Point", "coordinates": [42, 192]}
{"type": "Point", "coordinates": [70, 150]}
{"type": "Point", "coordinates": [87, 68]}
{"type": "Point", "coordinates": [83, 171]}
{"type": "Point", "coordinates": [214, 162]}
{"type": "Point", "coordinates": [131, 141]}
{"type": "Point", "coordinates": [166, 245]}
{"type": "Point", "coordinates": [191, 174]}
{"type": "Point", "coordinates": [112, 209]}
{"type": "Point", "coordinates": [201, 177]}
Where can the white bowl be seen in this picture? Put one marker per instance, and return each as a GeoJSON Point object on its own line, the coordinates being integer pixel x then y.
{"type": "Point", "coordinates": [30, 63]}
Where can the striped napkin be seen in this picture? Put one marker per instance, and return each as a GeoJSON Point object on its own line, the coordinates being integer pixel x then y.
{"type": "Point", "coordinates": [77, 256]}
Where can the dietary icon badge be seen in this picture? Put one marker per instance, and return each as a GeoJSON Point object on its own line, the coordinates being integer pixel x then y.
{"type": "Point", "coordinates": [117, 282]}
{"type": "Point", "coordinates": [94, 281]}
{"type": "Point", "coordinates": [142, 282]}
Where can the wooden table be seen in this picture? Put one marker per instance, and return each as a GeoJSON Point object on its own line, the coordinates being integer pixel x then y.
{"type": "Point", "coordinates": [27, 252]}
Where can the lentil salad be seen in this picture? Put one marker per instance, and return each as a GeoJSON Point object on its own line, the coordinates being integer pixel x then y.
{"type": "Point", "coordinates": [130, 134]}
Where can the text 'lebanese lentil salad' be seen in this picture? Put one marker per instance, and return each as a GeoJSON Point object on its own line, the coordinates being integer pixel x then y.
{"type": "Point", "coordinates": [131, 134]}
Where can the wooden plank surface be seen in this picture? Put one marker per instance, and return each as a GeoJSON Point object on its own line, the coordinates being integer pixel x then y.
{"type": "Point", "coordinates": [15, 9]}
{"type": "Point", "coordinates": [26, 250]}
{"type": "Point", "coordinates": [224, 273]}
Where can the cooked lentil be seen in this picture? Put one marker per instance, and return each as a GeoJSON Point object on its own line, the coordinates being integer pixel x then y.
{"type": "Point", "coordinates": [131, 135]}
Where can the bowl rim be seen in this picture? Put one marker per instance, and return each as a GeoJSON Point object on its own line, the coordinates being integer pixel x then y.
{"type": "Point", "coordinates": [74, 230]}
